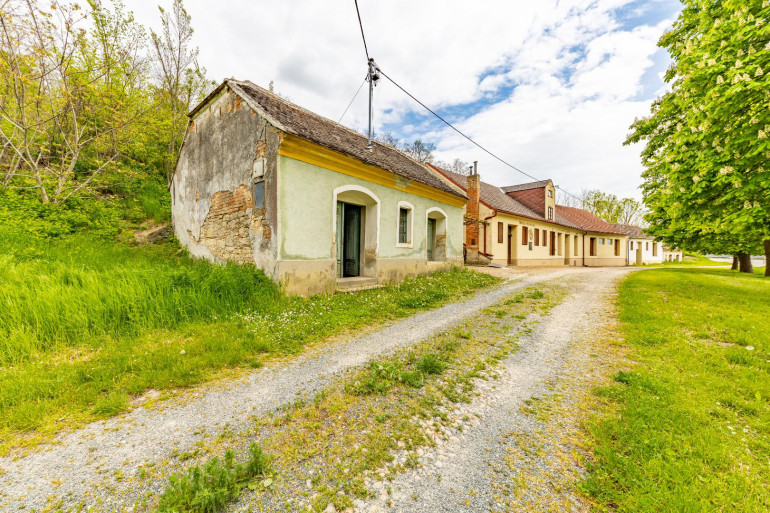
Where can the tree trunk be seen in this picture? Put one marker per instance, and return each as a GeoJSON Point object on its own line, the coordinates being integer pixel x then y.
{"type": "Point", "coordinates": [735, 263]}
{"type": "Point", "coordinates": [767, 257]}
{"type": "Point", "coordinates": [745, 262]}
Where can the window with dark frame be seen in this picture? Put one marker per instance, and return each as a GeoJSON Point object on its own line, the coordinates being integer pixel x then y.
{"type": "Point", "coordinates": [258, 194]}
{"type": "Point", "coordinates": [524, 235]}
{"type": "Point", "coordinates": [403, 225]}
{"type": "Point", "coordinates": [499, 233]}
{"type": "Point", "coordinates": [550, 213]}
{"type": "Point", "coordinates": [537, 236]}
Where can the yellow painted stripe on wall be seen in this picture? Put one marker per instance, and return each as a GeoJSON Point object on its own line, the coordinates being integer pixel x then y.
{"type": "Point", "coordinates": [305, 151]}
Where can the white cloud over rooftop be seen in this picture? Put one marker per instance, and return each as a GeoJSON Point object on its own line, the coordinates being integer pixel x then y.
{"type": "Point", "coordinates": [551, 86]}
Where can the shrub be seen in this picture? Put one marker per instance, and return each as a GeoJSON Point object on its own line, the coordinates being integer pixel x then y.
{"type": "Point", "coordinates": [208, 489]}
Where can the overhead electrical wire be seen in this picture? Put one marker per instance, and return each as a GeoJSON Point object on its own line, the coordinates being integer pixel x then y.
{"type": "Point", "coordinates": [447, 123]}
{"type": "Point", "coordinates": [353, 99]}
{"type": "Point", "coordinates": [362, 31]}
{"type": "Point", "coordinates": [450, 125]}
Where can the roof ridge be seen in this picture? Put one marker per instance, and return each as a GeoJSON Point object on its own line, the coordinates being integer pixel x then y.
{"type": "Point", "coordinates": [310, 112]}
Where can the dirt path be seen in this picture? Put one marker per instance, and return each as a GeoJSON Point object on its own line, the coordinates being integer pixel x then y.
{"type": "Point", "coordinates": [89, 466]}
{"type": "Point", "coordinates": [510, 456]}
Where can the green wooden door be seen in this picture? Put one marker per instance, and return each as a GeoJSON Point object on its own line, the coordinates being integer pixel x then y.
{"type": "Point", "coordinates": [351, 243]}
{"type": "Point", "coordinates": [431, 239]}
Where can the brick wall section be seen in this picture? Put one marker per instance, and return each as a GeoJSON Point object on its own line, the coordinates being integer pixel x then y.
{"type": "Point", "coordinates": [472, 213]}
{"type": "Point", "coordinates": [225, 231]}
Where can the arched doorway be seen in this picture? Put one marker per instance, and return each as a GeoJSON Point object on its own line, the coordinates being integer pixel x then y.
{"type": "Point", "coordinates": [356, 231]}
{"type": "Point", "coordinates": [435, 243]}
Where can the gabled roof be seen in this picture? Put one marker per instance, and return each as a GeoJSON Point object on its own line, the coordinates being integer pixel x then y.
{"type": "Point", "coordinates": [632, 231]}
{"type": "Point", "coordinates": [494, 197]}
{"type": "Point", "coordinates": [525, 186]}
{"type": "Point", "coordinates": [587, 221]}
{"type": "Point", "coordinates": [293, 119]}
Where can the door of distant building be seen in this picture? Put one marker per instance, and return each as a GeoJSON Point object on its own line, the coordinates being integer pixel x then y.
{"type": "Point", "coordinates": [348, 240]}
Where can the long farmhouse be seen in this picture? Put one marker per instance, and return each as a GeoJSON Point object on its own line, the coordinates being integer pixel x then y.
{"type": "Point", "coordinates": [262, 181]}
{"type": "Point", "coordinates": [522, 225]}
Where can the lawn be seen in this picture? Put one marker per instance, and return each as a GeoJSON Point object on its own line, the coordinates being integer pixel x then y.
{"type": "Point", "coordinates": [87, 325]}
{"type": "Point", "coordinates": [694, 259]}
{"type": "Point", "coordinates": [687, 426]}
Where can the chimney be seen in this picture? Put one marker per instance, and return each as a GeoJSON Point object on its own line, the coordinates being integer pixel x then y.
{"type": "Point", "coordinates": [472, 212]}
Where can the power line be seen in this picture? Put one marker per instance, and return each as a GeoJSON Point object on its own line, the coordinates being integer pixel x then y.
{"type": "Point", "coordinates": [353, 99]}
{"type": "Point", "coordinates": [450, 125]}
{"type": "Point", "coordinates": [362, 31]}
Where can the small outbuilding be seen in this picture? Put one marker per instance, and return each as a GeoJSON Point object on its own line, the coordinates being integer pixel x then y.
{"type": "Point", "coordinates": [263, 181]}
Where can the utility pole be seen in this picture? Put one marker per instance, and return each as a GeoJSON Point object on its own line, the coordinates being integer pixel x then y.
{"type": "Point", "coordinates": [372, 77]}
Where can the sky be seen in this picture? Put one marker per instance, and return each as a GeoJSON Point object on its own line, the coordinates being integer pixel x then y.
{"type": "Point", "coordinates": [550, 86]}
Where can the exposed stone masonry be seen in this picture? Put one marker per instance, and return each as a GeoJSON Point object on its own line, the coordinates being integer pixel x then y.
{"type": "Point", "coordinates": [225, 231]}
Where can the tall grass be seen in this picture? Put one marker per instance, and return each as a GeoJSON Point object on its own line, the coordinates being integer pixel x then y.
{"type": "Point", "coordinates": [86, 325]}
{"type": "Point", "coordinates": [82, 289]}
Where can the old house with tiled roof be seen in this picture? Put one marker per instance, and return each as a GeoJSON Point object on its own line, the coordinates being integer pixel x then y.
{"type": "Point", "coordinates": [260, 180]}
{"type": "Point", "coordinates": [522, 225]}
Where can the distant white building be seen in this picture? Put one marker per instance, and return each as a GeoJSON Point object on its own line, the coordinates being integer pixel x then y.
{"type": "Point", "coordinates": [644, 249]}
{"type": "Point", "coordinates": [672, 255]}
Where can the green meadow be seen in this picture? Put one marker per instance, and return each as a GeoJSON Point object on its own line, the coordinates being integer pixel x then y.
{"type": "Point", "coordinates": [686, 427]}
{"type": "Point", "coordinates": [88, 324]}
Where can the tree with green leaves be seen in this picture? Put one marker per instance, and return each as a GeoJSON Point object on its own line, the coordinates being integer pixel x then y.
{"type": "Point", "coordinates": [182, 80]}
{"type": "Point", "coordinates": [707, 141]}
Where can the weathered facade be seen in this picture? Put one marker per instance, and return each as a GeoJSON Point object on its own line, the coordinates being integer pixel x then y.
{"type": "Point", "coordinates": [261, 181]}
{"type": "Point", "coordinates": [521, 225]}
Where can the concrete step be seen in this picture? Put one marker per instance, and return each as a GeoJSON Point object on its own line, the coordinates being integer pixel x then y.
{"type": "Point", "coordinates": [356, 283]}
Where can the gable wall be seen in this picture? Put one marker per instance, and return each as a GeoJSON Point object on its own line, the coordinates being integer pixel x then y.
{"type": "Point", "coordinates": [212, 208]}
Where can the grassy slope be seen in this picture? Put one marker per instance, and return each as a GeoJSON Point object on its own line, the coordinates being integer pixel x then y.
{"type": "Point", "coordinates": [686, 429]}
{"type": "Point", "coordinates": [86, 324]}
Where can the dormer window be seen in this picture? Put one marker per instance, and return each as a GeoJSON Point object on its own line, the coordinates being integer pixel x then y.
{"type": "Point", "coordinates": [550, 193]}
{"type": "Point", "coordinates": [550, 212]}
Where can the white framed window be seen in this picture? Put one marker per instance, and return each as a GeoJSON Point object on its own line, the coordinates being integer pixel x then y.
{"type": "Point", "coordinates": [601, 241]}
{"type": "Point", "coordinates": [404, 223]}
{"type": "Point", "coordinates": [550, 193]}
{"type": "Point", "coordinates": [550, 212]}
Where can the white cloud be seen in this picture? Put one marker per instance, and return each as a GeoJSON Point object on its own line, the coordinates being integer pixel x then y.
{"type": "Point", "coordinates": [577, 72]}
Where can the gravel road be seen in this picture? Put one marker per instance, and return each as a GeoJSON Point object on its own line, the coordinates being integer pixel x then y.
{"type": "Point", "coordinates": [474, 470]}
{"type": "Point", "coordinates": [88, 466]}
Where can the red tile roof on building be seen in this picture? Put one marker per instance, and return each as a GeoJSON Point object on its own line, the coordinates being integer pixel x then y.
{"type": "Point", "coordinates": [525, 186]}
{"type": "Point", "coordinates": [495, 198]}
{"type": "Point", "coordinates": [292, 118]}
{"type": "Point", "coordinates": [587, 221]}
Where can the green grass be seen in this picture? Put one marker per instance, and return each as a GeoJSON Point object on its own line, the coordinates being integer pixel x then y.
{"type": "Point", "coordinates": [687, 427]}
{"type": "Point", "coordinates": [87, 326]}
{"type": "Point", "coordinates": [694, 259]}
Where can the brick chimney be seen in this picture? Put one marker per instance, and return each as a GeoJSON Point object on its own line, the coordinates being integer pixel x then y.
{"type": "Point", "coordinates": [473, 187]}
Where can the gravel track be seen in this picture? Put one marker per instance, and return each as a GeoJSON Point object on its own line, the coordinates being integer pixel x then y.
{"type": "Point", "coordinates": [473, 470]}
{"type": "Point", "coordinates": [88, 465]}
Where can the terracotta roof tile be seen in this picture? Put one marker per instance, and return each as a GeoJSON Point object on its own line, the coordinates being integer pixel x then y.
{"type": "Point", "coordinates": [495, 198]}
{"type": "Point", "coordinates": [587, 221]}
{"type": "Point", "coordinates": [525, 186]}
